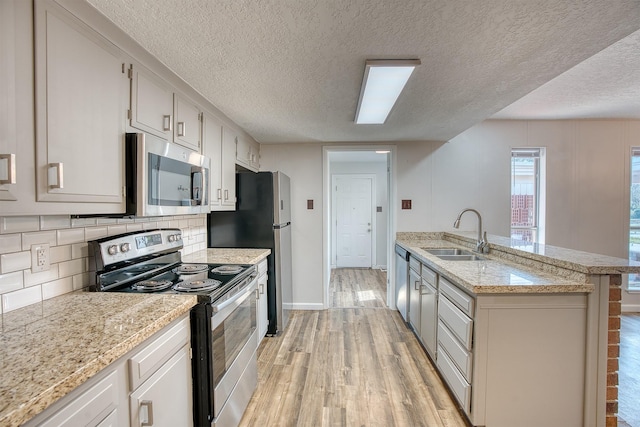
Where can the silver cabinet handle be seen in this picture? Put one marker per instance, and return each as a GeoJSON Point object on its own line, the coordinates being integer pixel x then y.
{"type": "Point", "coordinates": [149, 406]}
{"type": "Point", "coordinates": [262, 288]}
{"type": "Point", "coordinates": [181, 129]}
{"type": "Point", "coordinates": [257, 294]}
{"type": "Point", "coordinates": [219, 193]}
{"type": "Point", "coordinates": [11, 168]}
{"type": "Point", "coordinates": [166, 122]}
{"type": "Point", "coordinates": [417, 286]}
{"type": "Point", "coordinates": [226, 194]}
{"type": "Point", "coordinates": [59, 175]}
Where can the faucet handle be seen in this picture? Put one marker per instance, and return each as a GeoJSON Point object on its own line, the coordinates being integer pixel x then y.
{"type": "Point", "coordinates": [485, 243]}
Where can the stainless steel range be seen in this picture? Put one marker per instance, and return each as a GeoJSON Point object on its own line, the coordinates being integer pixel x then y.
{"type": "Point", "coordinates": [223, 323]}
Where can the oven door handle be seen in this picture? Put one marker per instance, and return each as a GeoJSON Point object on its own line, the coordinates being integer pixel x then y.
{"type": "Point", "coordinates": [237, 299]}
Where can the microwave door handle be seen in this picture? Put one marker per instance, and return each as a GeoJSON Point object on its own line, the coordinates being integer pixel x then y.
{"type": "Point", "coordinates": [197, 191]}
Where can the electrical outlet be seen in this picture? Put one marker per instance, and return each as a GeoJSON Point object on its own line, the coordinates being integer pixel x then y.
{"type": "Point", "coordinates": [40, 257]}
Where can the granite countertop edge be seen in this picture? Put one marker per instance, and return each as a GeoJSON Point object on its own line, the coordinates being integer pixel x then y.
{"type": "Point", "coordinates": [457, 271]}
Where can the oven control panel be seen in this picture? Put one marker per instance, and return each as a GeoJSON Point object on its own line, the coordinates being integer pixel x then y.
{"type": "Point", "coordinates": [129, 246]}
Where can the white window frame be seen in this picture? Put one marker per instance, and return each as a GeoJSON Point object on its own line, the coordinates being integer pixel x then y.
{"type": "Point", "coordinates": [539, 192]}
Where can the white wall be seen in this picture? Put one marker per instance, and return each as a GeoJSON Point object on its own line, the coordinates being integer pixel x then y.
{"type": "Point", "coordinates": [379, 169]}
{"type": "Point", "coordinates": [587, 187]}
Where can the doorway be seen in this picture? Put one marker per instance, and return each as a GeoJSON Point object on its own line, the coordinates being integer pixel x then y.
{"type": "Point", "coordinates": [358, 218]}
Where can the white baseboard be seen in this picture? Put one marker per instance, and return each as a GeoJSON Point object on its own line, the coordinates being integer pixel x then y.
{"type": "Point", "coordinates": [303, 306]}
{"type": "Point", "coordinates": [630, 308]}
{"type": "Point", "coordinates": [380, 267]}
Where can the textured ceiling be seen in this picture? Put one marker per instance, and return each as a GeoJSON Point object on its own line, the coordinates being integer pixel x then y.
{"type": "Point", "coordinates": [290, 70]}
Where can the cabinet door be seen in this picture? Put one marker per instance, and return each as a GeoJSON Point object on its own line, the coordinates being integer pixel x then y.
{"type": "Point", "coordinates": [228, 168]}
{"type": "Point", "coordinates": [8, 143]}
{"type": "Point", "coordinates": [428, 317]}
{"type": "Point", "coordinates": [151, 103]}
{"type": "Point", "coordinates": [212, 148]}
{"type": "Point", "coordinates": [415, 281]}
{"type": "Point", "coordinates": [81, 94]}
{"type": "Point", "coordinates": [263, 307]}
{"type": "Point", "coordinates": [186, 130]}
{"type": "Point", "coordinates": [248, 154]}
{"type": "Point", "coordinates": [165, 398]}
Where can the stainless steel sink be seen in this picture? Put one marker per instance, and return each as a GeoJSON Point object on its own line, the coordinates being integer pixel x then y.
{"type": "Point", "coordinates": [454, 254]}
{"type": "Point", "coordinates": [448, 251]}
{"type": "Point", "coordinates": [460, 257]}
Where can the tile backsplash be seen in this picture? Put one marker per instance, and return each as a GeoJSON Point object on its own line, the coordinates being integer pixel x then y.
{"type": "Point", "coordinates": [70, 268]}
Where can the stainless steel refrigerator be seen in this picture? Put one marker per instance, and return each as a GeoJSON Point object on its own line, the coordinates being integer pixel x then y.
{"type": "Point", "coordinates": [262, 219]}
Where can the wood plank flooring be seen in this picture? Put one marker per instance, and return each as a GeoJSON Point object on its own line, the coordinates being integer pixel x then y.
{"type": "Point", "coordinates": [357, 287]}
{"type": "Point", "coordinates": [348, 367]}
{"type": "Point", "coordinates": [629, 371]}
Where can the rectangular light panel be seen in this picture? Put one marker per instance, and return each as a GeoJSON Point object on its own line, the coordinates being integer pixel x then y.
{"type": "Point", "coordinates": [381, 86]}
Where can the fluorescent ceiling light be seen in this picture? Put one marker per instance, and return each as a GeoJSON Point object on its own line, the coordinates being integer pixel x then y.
{"type": "Point", "coordinates": [381, 86]}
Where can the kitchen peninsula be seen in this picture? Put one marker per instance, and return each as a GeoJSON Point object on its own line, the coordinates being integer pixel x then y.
{"type": "Point", "coordinates": [528, 333]}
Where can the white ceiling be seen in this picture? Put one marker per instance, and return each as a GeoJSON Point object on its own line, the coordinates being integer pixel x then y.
{"type": "Point", "coordinates": [290, 70]}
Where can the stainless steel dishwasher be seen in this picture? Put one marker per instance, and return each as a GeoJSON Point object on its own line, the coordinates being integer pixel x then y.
{"type": "Point", "coordinates": [402, 277]}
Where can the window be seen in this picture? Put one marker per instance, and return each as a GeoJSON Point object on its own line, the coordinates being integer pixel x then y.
{"type": "Point", "coordinates": [634, 217]}
{"type": "Point", "coordinates": [525, 194]}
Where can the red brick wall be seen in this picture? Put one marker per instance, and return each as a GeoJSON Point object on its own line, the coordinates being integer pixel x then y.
{"type": "Point", "coordinates": [615, 305]}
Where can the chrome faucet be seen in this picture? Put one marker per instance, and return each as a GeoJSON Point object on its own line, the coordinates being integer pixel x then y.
{"type": "Point", "coordinates": [482, 245]}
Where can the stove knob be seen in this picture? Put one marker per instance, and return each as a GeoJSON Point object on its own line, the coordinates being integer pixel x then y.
{"type": "Point", "coordinates": [178, 237]}
{"type": "Point", "coordinates": [112, 250]}
{"type": "Point", "coordinates": [125, 247]}
{"type": "Point", "coordinates": [172, 237]}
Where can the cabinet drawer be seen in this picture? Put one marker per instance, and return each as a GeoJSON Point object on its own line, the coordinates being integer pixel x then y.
{"type": "Point", "coordinates": [429, 276]}
{"type": "Point", "coordinates": [414, 264]}
{"type": "Point", "coordinates": [143, 364]}
{"type": "Point", "coordinates": [262, 267]}
{"type": "Point", "coordinates": [460, 387]}
{"type": "Point", "coordinates": [91, 408]}
{"type": "Point", "coordinates": [458, 354]}
{"type": "Point", "coordinates": [457, 322]}
{"type": "Point", "coordinates": [458, 297]}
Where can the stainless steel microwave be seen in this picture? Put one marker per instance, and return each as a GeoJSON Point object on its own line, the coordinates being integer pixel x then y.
{"type": "Point", "coordinates": [164, 178]}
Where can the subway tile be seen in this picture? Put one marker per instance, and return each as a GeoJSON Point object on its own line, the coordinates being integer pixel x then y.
{"type": "Point", "coordinates": [94, 233]}
{"type": "Point", "coordinates": [55, 222]}
{"type": "Point", "coordinates": [150, 225]}
{"type": "Point", "coordinates": [83, 280]}
{"type": "Point", "coordinates": [10, 243]}
{"type": "Point", "coordinates": [21, 298]}
{"type": "Point", "coordinates": [15, 261]}
{"type": "Point", "coordinates": [174, 223]}
{"type": "Point", "coordinates": [83, 222]}
{"type": "Point", "coordinates": [19, 224]}
{"type": "Point", "coordinates": [11, 282]}
{"type": "Point", "coordinates": [125, 220]}
{"type": "Point", "coordinates": [57, 287]}
{"type": "Point", "coordinates": [117, 229]}
{"type": "Point", "coordinates": [73, 235]}
{"type": "Point", "coordinates": [106, 221]}
{"type": "Point", "coordinates": [164, 224]}
{"type": "Point", "coordinates": [75, 266]}
{"type": "Point", "coordinates": [196, 222]}
{"type": "Point", "coordinates": [60, 254]}
{"type": "Point", "coordinates": [134, 227]}
{"type": "Point", "coordinates": [79, 250]}
{"type": "Point", "coordinates": [29, 239]}
{"type": "Point", "coordinates": [32, 279]}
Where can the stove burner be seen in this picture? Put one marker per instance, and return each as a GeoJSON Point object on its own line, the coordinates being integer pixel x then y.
{"type": "Point", "coordinates": [152, 285]}
{"type": "Point", "coordinates": [197, 285]}
{"type": "Point", "coordinates": [228, 269]}
{"type": "Point", "coordinates": [191, 268]}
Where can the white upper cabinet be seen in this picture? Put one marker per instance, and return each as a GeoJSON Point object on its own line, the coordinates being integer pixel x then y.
{"type": "Point", "coordinates": [156, 109]}
{"type": "Point", "coordinates": [248, 154]}
{"type": "Point", "coordinates": [8, 138]}
{"type": "Point", "coordinates": [219, 146]}
{"type": "Point", "coordinates": [81, 102]}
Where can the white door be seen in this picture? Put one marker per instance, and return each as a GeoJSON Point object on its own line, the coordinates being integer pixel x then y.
{"type": "Point", "coordinates": [354, 220]}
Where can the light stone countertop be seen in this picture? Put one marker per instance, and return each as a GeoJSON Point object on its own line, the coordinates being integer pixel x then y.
{"type": "Point", "coordinates": [493, 274]}
{"type": "Point", "coordinates": [50, 348]}
{"type": "Point", "coordinates": [228, 256]}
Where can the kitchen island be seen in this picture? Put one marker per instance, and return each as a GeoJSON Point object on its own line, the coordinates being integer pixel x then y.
{"type": "Point", "coordinates": [541, 325]}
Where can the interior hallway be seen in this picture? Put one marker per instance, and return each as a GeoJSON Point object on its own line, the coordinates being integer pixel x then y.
{"type": "Point", "coordinates": [357, 365]}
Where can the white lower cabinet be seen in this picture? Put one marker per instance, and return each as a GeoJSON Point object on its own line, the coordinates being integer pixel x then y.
{"type": "Point", "coordinates": [263, 303]}
{"type": "Point", "coordinates": [151, 385]}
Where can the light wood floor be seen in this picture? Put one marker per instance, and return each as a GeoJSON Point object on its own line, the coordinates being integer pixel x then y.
{"type": "Point", "coordinates": [357, 287]}
{"type": "Point", "coordinates": [629, 371]}
{"type": "Point", "coordinates": [347, 367]}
